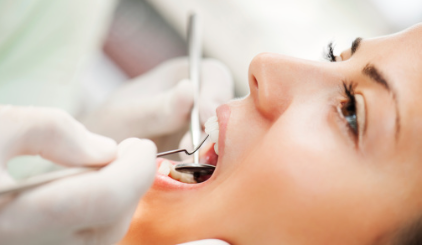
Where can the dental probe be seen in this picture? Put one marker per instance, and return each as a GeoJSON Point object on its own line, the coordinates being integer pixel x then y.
{"type": "Point", "coordinates": [194, 49]}
{"type": "Point", "coordinates": [48, 177]}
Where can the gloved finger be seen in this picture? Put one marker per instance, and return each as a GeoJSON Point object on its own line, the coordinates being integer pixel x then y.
{"type": "Point", "coordinates": [107, 195]}
{"type": "Point", "coordinates": [91, 205]}
{"type": "Point", "coordinates": [166, 113]}
{"type": "Point", "coordinates": [132, 178]}
{"type": "Point", "coordinates": [5, 181]}
{"type": "Point", "coordinates": [135, 166]}
{"type": "Point", "coordinates": [52, 134]}
{"type": "Point", "coordinates": [104, 235]}
{"type": "Point", "coordinates": [161, 78]}
{"type": "Point", "coordinates": [216, 88]}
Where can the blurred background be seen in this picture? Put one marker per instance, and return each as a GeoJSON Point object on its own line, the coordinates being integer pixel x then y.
{"type": "Point", "coordinates": [72, 54]}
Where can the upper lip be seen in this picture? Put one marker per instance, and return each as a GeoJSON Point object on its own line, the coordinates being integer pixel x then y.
{"type": "Point", "coordinates": [223, 114]}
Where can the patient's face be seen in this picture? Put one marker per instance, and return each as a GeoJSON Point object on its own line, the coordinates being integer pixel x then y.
{"type": "Point", "coordinates": [304, 160]}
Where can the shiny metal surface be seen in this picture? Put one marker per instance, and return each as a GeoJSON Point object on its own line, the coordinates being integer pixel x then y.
{"type": "Point", "coordinates": [183, 150]}
{"type": "Point", "coordinates": [195, 54]}
{"type": "Point", "coordinates": [192, 168]}
{"type": "Point", "coordinates": [201, 172]}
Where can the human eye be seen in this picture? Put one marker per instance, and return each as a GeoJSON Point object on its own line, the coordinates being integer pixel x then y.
{"type": "Point", "coordinates": [353, 111]}
{"type": "Point", "coordinates": [329, 53]}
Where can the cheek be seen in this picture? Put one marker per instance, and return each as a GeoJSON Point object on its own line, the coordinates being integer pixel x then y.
{"type": "Point", "coordinates": [246, 128]}
{"type": "Point", "coordinates": [302, 180]}
{"type": "Point", "coordinates": [294, 156]}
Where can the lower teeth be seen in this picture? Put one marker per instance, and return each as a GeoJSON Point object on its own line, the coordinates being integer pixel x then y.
{"type": "Point", "coordinates": [187, 178]}
{"type": "Point", "coordinates": [166, 168]}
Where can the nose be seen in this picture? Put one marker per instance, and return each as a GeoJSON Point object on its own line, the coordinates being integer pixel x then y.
{"type": "Point", "coordinates": [275, 81]}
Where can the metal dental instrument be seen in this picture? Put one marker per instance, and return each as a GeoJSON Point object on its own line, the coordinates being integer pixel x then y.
{"type": "Point", "coordinates": [48, 177]}
{"type": "Point", "coordinates": [194, 43]}
{"type": "Point", "coordinates": [198, 170]}
{"type": "Point", "coordinates": [183, 150]}
{"type": "Point", "coordinates": [194, 49]}
{"type": "Point", "coordinates": [195, 168]}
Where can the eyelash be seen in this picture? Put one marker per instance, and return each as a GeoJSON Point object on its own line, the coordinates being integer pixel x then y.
{"type": "Point", "coordinates": [350, 106]}
{"type": "Point", "coordinates": [329, 53]}
{"type": "Point", "coordinates": [347, 120]}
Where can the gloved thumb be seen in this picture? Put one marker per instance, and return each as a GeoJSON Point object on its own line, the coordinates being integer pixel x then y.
{"type": "Point", "coordinates": [181, 102]}
{"type": "Point", "coordinates": [134, 167]}
{"type": "Point", "coordinates": [52, 134]}
{"type": "Point", "coordinates": [216, 88]}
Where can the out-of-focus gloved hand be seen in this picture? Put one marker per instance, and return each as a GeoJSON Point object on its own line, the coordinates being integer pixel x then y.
{"type": "Point", "coordinates": [157, 105]}
{"type": "Point", "coordinates": [95, 207]}
{"type": "Point", "coordinates": [206, 242]}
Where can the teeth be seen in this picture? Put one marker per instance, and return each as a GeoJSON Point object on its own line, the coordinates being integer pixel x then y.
{"type": "Point", "coordinates": [187, 178]}
{"type": "Point", "coordinates": [214, 135]}
{"type": "Point", "coordinates": [212, 128]}
{"type": "Point", "coordinates": [175, 174]}
{"type": "Point", "coordinates": [182, 177]}
{"type": "Point", "coordinates": [211, 124]}
{"type": "Point", "coordinates": [165, 168]}
{"type": "Point", "coordinates": [211, 121]}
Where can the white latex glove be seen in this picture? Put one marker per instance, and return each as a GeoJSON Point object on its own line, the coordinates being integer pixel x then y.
{"type": "Point", "coordinates": [157, 105]}
{"type": "Point", "coordinates": [93, 208]}
{"type": "Point", "coordinates": [206, 242]}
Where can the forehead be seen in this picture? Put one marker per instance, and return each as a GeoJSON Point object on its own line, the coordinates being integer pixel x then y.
{"type": "Point", "coordinates": [399, 58]}
{"type": "Point", "coordinates": [402, 50]}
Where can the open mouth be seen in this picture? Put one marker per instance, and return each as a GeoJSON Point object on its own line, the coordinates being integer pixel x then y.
{"type": "Point", "coordinates": [167, 167]}
{"type": "Point", "coordinates": [208, 155]}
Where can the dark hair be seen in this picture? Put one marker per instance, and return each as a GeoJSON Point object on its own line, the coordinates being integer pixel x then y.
{"type": "Point", "coordinates": [411, 234]}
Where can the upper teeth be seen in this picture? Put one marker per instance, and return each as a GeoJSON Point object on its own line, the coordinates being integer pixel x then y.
{"type": "Point", "coordinates": [212, 128]}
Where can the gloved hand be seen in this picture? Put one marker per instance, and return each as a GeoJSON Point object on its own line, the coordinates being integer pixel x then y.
{"type": "Point", "coordinates": [93, 208]}
{"type": "Point", "coordinates": [206, 242]}
{"type": "Point", "coordinates": [157, 105]}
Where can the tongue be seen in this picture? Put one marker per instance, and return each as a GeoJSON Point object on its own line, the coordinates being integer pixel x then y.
{"type": "Point", "coordinates": [209, 156]}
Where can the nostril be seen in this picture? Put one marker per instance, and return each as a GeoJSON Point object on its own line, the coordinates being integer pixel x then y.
{"type": "Point", "coordinates": [255, 82]}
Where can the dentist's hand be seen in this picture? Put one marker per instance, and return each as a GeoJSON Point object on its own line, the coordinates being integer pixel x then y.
{"type": "Point", "coordinates": [93, 208]}
{"type": "Point", "coordinates": [157, 105]}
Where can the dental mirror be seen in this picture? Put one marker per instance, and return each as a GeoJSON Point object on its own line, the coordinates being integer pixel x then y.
{"type": "Point", "coordinates": [200, 172]}
{"type": "Point", "coordinates": [192, 168]}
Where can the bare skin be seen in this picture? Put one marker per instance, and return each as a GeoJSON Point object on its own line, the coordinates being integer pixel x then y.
{"type": "Point", "coordinates": [294, 171]}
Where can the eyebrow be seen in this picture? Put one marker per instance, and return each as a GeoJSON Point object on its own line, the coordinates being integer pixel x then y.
{"type": "Point", "coordinates": [376, 76]}
{"type": "Point", "coordinates": [373, 73]}
{"type": "Point", "coordinates": [355, 44]}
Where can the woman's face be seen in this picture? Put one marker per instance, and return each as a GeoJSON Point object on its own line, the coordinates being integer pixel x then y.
{"type": "Point", "coordinates": [304, 160]}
